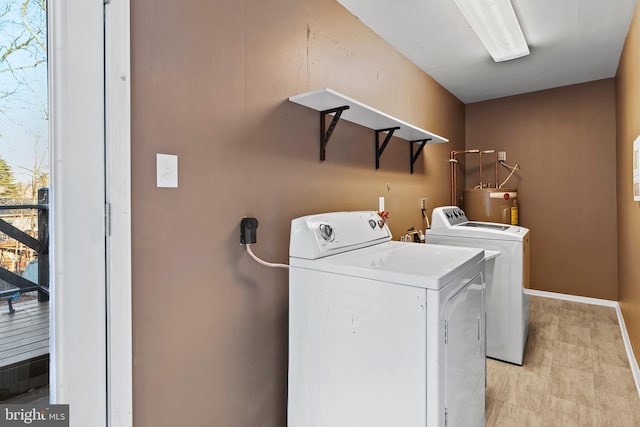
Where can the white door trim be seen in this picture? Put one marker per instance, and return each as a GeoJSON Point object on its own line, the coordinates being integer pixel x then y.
{"type": "Point", "coordinates": [89, 94]}
{"type": "Point", "coordinates": [77, 204]}
{"type": "Point", "coordinates": [118, 192]}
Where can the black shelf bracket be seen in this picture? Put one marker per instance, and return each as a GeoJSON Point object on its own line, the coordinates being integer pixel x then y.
{"type": "Point", "coordinates": [415, 156]}
{"type": "Point", "coordinates": [380, 149]}
{"type": "Point", "coordinates": [325, 134]}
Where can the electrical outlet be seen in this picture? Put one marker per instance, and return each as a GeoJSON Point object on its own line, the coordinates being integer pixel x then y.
{"type": "Point", "coordinates": [424, 203]}
{"type": "Point", "coordinates": [502, 156]}
{"type": "Point", "coordinates": [248, 231]}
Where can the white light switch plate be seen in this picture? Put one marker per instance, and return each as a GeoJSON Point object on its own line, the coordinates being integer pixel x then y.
{"type": "Point", "coordinates": [166, 171]}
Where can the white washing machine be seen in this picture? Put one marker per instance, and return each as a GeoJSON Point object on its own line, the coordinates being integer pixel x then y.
{"type": "Point", "coordinates": [506, 277]}
{"type": "Point", "coordinates": [382, 333]}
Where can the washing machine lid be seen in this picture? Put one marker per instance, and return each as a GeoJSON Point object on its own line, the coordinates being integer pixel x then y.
{"type": "Point", "coordinates": [486, 225]}
{"type": "Point", "coordinates": [412, 264]}
{"type": "Point", "coordinates": [480, 230]}
{"type": "Point", "coordinates": [452, 221]}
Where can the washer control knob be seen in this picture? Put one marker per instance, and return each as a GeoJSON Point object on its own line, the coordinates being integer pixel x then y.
{"type": "Point", "coordinates": [372, 224]}
{"type": "Point", "coordinates": [326, 232]}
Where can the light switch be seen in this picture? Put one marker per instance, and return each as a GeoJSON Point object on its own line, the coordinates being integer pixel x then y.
{"type": "Point", "coordinates": [166, 170]}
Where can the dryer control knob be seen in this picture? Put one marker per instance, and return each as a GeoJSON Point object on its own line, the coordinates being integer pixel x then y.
{"type": "Point", "coordinates": [326, 232]}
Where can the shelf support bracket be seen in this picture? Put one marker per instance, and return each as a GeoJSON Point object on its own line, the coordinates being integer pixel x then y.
{"type": "Point", "coordinates": [325, 133]}
{"type": "Point", "coordinates": [380, 149]}
{"type": "Point", "coordinates": [415, 156]}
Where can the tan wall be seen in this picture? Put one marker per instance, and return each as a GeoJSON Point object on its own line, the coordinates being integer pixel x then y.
{"type": "Point", "coordinates": [628, 128]}
{"type": "Point", "coordinates": [210, 84]}
{"type": "Point", "coordinates": [564, 141]}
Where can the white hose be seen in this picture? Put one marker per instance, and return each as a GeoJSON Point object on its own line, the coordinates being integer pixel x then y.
{"type": "Point", "coordinates": [266, 264]}
{"type": "Point", "coordinates": [503, 163]}
{"type": "Point", "coordinates": [513, 169]}
{"type": "Point", "coordinates": [426, 218]}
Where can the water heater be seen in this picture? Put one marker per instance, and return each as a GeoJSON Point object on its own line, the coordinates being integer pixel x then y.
{"type": "Point", "coordinates": [491, 205]}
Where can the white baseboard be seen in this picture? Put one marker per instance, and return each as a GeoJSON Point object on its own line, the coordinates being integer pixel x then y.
{"type": "Point", "coordinates": [574, 298]}
{"type": "Point", "coordinates": [627, 344]}
{"type": "Point", "coordinates": [607, 303]}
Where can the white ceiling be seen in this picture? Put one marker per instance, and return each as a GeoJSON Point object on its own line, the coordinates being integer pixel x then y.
{"type": "Point", "coordinates": [571, 41]}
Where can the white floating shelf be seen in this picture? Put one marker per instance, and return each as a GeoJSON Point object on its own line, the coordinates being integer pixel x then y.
{"type": "Point", "coordinates": [328, 101]}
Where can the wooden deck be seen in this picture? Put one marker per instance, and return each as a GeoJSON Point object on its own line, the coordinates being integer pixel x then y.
{"type": "Point", "coordinates": [24, 335]}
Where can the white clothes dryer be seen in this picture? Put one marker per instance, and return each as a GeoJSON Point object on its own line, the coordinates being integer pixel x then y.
{"type": "Point", "coordinates": [382, 333]}
{"type": "Point", "coordinates": [507, 275]}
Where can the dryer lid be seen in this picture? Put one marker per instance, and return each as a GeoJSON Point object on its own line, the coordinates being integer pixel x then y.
{"type": "Point", "coordinates": [412, 264]}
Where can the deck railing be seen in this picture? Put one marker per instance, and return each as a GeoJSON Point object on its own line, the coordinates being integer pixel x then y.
{"type": "Point", "coordinates": [40, 245]}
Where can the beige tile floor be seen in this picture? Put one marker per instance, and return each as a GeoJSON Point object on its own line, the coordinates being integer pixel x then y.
{"type": "Point", "coordinates": [575, 372]}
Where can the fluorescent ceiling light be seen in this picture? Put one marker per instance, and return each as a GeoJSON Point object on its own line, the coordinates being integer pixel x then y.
{"type": "Point", "coordinates": [495, 23]}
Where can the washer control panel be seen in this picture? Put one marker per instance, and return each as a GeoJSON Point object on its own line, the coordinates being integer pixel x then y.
{"type": "Point", "coordinates": [455, 215]}
{"type": "Point", "coordinates": [447, 216]}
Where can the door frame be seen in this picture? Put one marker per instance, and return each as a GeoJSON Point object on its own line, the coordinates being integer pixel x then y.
{"type": "Point", "coordinates": [118, 198]}
{"type": "Point", "coordinates": [90, 244]}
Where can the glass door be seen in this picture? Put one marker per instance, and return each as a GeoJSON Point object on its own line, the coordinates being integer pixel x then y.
{"type": "Point", "coordinates": [24, 202]}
